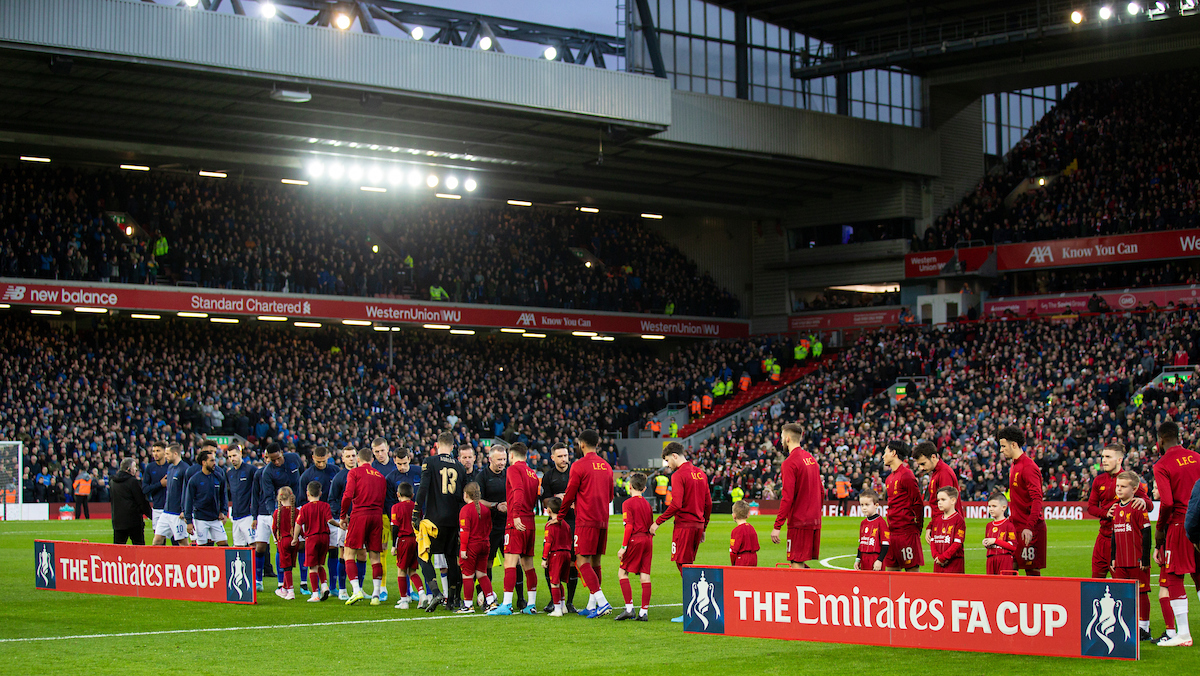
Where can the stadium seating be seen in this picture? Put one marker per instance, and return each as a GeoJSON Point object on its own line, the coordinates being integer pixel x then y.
{"type": "Point", "coordinates": [250, 235]}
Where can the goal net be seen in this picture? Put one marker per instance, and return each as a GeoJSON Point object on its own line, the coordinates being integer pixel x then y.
{"type": "Point", "coordinates": [11, 461]}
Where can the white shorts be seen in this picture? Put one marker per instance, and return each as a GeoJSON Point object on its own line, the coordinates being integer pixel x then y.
{"type": "Point", "coordinates": [155, 515]}
{"type": "Point", "coordinates": [243, 535]}
{"type": "Point", "coordinates": [439, 561]}
{"type": "Point", "coordinates": [263, 532]}
{"type": "Point", "coordinates": [208, 531]}
{"type": "Point", "coordinates": [337, 537]}
{"type": "Point", "coordinates": [171, 526]}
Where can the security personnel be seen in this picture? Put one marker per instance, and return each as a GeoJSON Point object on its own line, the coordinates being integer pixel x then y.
{"type": "Point", "coordinates": [800, 352]}
{"type": "Point", "coordinates": [718, 390]}
{"type": "Point", "coordinates": [842, 490]}
{"type": "Point", "coordinates": [694, 408]}
{"type": "Point", "coordinates": [660, 490]}
{"type": "Point", "coordinates": [83, 492]}
{"type": "Point", "coordinates": [670, 310]}
{"type": "Point", "coordinates": [437, 292]}
{"type": "Point", "coordinates": [706, 402]}
{"type": "Point", "coordinates": [776, 373]}
{"type": "Point", "coordinates": [674, 428]}
{"type": "Point", "coordinates": [817, 347]}
{"type": "Point", "coordinates": [744, 382]}
{"type": "Point", "coordinates": [729, 385]}
{"type": "Point", "coordinates": [656, 427]}
{"type": "Point", "coordinates": [737, 494]}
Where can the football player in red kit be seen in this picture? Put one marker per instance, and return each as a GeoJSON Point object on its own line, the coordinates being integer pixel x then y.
{"type": "Point", "coordinates": [1025, 496]}
{"type": "Point", "coordinates": [800, 500]}
{"type": "Point", "coordinates": [1130, 547]}
{"type": "Point", "coordinates": [521, 493]}
{"type": "Point", "coordinates": [946, 533]}
{"type": "Point", "coordinates": [906, 510]}
{"type": "Point", "coordinates": [1100, 503]}
{"type": "Point", "coordinates": [1175, 474]}
{"type": "Point", "coordinates": [590, 490]}
{"type": "Point", "coordinates": [637, 548]}
{"type": "Point", "coordinates": [691, 507]}
{"type": "Point", "coordinates": [363, 501]}
{"type": "Point", "coordinates": [873, 535]}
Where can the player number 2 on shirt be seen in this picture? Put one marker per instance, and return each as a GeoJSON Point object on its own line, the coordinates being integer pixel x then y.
{"type": "Point", "coordinates": [449, 480]}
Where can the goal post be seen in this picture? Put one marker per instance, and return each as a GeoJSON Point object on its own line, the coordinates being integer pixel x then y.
{"type": "Point", "coordinates": [12, 462]}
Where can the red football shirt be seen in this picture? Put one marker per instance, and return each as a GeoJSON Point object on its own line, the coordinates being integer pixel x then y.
{"type": "Point", "coordinates": [939, 478]}
{"type": "Point", "coordinates": [743, 540]}
{"type": "Point", "coordinates": [281, 523]}
{"type": "Point", "coordinates": [1104, 494]}
{"type": "Point", "coordinates": [314, 518]}
{"type": "Point", "coordinates": [521, 488]}
{"type": "Point", "coordinates": [590, 489]}
{"type": "Point", "coordinates": [474, 527]}
{"type": "Point", "coordinates": [691, 501]}
{"type": "Point", "coordinates": [402, 517]}
{"type": "Point", "coordinates": [905, 507]}
{"type": "Point", "coordinates": [1005, 533]}
{"type": "Point", "coordinates": [800, 504]}
{"type": "Point", "coordinates": [637, 517]}
{"type": "Point", "coordinates": [365, 490]}
{"type": "Point", "coordinates": [1025, 493]}
{"type": "Point", "coordinates": [873, 535]}
{"type": "Point", "coordinates": [556, 539]}
{"type": "Point", "coordinates": [1130, 530]}
{"type": "Point", "coordinates": [1175, 474]}
{"type": "Point", "coordinates": [946, 536]}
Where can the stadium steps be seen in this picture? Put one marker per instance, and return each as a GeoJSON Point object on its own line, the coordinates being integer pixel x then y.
{"type": "Point", "coordinates": [754, 395]}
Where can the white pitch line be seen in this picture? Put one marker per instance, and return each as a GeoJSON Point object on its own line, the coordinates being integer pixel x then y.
{"type": "Point", "coordinates": [300, 625]}
{"type": "Point", "coordinates": [827, 564]}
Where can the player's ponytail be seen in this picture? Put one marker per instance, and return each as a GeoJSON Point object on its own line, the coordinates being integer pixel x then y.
{"type": "Point", "coordinates": [472, 491]}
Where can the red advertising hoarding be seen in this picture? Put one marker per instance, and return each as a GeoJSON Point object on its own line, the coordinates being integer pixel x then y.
{"type": "Point", "coordinates": [1077, 302]}
{"type": "Point", "coordinates": [381, 310]}
{"type": "Point", "coordinates": [1059, 617]}
{"type": "Point", "coordinates": [846, 319]}
{"type": "Point", "coordinates": [216, 574]}
{"type": "Point", "coordinates": [1052, 511]}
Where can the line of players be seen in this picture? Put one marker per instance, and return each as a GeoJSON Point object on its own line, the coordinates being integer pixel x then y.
{"type": "Point", "coordinates": [443, 508]}
{"type": "Point", "coordinates": [1018, 542]}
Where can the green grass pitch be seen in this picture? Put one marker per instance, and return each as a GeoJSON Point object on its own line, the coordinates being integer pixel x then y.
{"type": "Point", "coordinates": [266, 637]}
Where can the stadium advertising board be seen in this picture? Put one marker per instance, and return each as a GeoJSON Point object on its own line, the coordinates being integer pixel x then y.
{"type": "Point", "coordinates": [852, 319]}
{"type": "Point", "coordinates": [1077, 302]}
{"type": "Point", "coordinates": [1052, 511]}
{"type": "Point", "coordinates": [1067, 252]}
{"type": "Point", "coordinates": [1059, 617]}
{"type": "Point", "coordinates": [382, 310]}
{"type": "Point", "coordinates": [217, 574]}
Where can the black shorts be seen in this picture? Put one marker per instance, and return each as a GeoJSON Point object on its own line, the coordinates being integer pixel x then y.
{"type": "Point", "coordinates": [495, 544]}
{"type": "Point", "coordinates": [446, 542]}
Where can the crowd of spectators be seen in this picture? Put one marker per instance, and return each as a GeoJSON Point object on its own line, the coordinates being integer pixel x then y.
{"type": "Point", "coordinates": [1129, 159]}
{"type": "Point", "coordinates": [1099, 278]}
{"type": "Point", "coordinates": [81, 400]}
{"type": "Point", "coordinates": [835, 299]}
{"type": "Point", "coordinates": [264, 237]}
{"type": "Point", "coordinates": [1073, 386]}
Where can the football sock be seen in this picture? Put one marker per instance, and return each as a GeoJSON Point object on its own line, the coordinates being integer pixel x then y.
{"type": "Point", "coordinates": [520, 586]}
{"type": "Point", "coordinates": [1168, 614]}
{"type": "Point", "coordinates": [600, 600]}
{"type": "Point", "coordinates": [556, 594]}
{"type": "Point", "coordinates": [352, 574]}
{"type": "Point", "coordinates": [260, 565]}
{"type": "Point", "coordinates": [376, 584]}
{"type": "Point", "coordinates": [627, 593]}
{"type": "Point", "coordinates": [510, 581]}
{"type": "Point", "coordinates": [1144, 625]}
{"type": "Point", "coordinates": [314, 581]}
{"type": "Point", "coordinates": [278, 570]}
{"type": "Point", "coordinates": [1144, 606]}
{"type": "Point", "coordinates": [377, 578]}
{"type": "Point", "coordinates": [355, 588]}
{"type": "Point", "coordinates": [531, 582]}
{"type": "Point", "coordinates": [428, 574]}
{"type": "Point", "coordinates": [591, 604]}
{"type": "Point", "coordinates": [322, 577]}
{"type": "Point", "coordinates": [287, 579]}
{"type": "Point", "coordinates": [572, 584]}
{"type": "Point", "coordinates": [445, 583]}
{"type": "Point", "coordinates": [301, 560]}
{"type": "Point", "coordinates": [401, 585]}
{"type": "Point", "coordinates": [341, 574]}
{"type": "Point", "coordinates": [508, 598]}
{"type": "Point", "coordinates": [1180, 608]}
{"type": "Point", "coordinates": [599, 576]}
{"type": "Point", "coordinates": [361, 567]}
{"type": "Point", "coordinates": [468, 590]}
{"type": "Point", "coordinates": [645, 596]}
{"type": "Point", "coordinates": [415, 582]}
{"type": "Point", "coordinates": [332, 562]}
{"type": "Point", "coordinates": [532, 597]}
{"type": "Point", "coordinates": [485, 585]}
{"type": "Point", "coordinates": [589, 577]}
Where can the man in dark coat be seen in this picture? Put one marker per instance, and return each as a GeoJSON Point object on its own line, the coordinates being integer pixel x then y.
{"type": "Point", "coordinates": [129, 505]}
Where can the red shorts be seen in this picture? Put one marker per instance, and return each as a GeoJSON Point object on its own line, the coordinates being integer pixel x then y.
{"type": "Point", "coordinates": [904, 551]}
{"type": "Point", "coordinates": [470, 561]}
{"type": "Point", "coordinates": [639, 554]}
{"type": "Point", "coordinates": [1135, 573]}
{"type": "Point", "coordinates": [1001, 564]}
{"type": "Point", "coordinates": [1179, 555]}
{"type": "Point", "coordinates": [315, 549]}
{"type": "Point", "coordinates": [558, 567]}
{"type": "Point", "coordinates": [287, 553]}
{"type": "Point", "coordinates": [803, 544]}
{"type": "Point", "coordinates": [685, 540]}
{"type": "Point", "coordinates": [1033, 555]}
{"type": "Point", "coordinates": [520, 542]}
{"type": "Point", "coordinates": [749, 559]}
{"type": "Point", "coordinates": [406, 552]}
{"type": "Point", "coordinates": [365, 532]}
{"type": "Point", "coordinates": [1102, 556]}
{"type": "Point", "coordinates": [867, 561]}
{"type": "Point", "coordinates": [958, 565]}
{"type": "Point", "coordinates": [590, 541]}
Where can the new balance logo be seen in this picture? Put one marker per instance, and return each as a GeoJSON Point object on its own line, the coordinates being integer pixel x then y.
{"type": "Point", "coordinates": [1039, 255]}
{"type": "Point", "coordinates": [1189, 243]}
{"type": "Point", "coordinates": [14, 293]}
{"type": "Point", "coordinates": [527, 319]}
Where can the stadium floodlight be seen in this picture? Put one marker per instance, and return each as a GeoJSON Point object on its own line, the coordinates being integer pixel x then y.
{"type": "Point", "coordinates": [437, 327]}
{"type": "Point", "coordinates": [213, 174]}
{"type": "Point", "coordinates": [653, 336]}
{"type": "Point", "coordinates": [374, 248]}
{"type": "Point", "coordinates": [267, 10]}
{"type": "Point", "coordinates": [550, 53]}
{"type": "Point", "coordinates": [1133, 8]}
{"type": "Point", "coordinates": [587, 264]}
{"type": "Point", "coordinates": [395, 176]}
{"type": "Point", "coordinates": [307, 325]}
{"type": "Point", "coordinates": [342, 21]}
{"type": "Point", "coordinates": [451, 182]}
{"type": "Point", "coordinates": [463, 332]}
{"type": "Point", "coordinates": [375, 175]}
{"type": "Point", "coordinates": [1077, 17]}
{"type": "Point", "coordinates": [129, 231]}
{"type": "Point", "coordinates": [584, 334]}
{"type": "Point", "coordinates": [520, 203]}
{"type": "Point", "coordinates": [92, 310]}
{"type": "Point", "coordinates": [137, 315]}
{"type": "Point", "coordinates": [512, 330]}
{"type": "Point", "coordinates": [485, 43]}
{"type": "Point", "coordinates": [371, 188]}
{"type": "Point", "coordinates": [589, 210]}
{"type": "Point", "coordinates": [533, 335]}
{"type": "Point", "coordinates": [653, 217]}
{"type": "Point", "coordinates": [34, 158]}
{"type": "Point", "coordinates": [1105, 13]}
{"type": "Point", "coordinates": [447, 196]}
{"type": "Point", "coordinates": [380, 328]}
{"type": "Point", "coordinates": [271, 318]}
{"type": "Point", "coordinates": [316, 168]}
{"type": "Point", "coordinates": [224, 320]}
{"type": "Point", "coordinates": [356, 322]}
{"type": "Point", "coordinates": [432, 181]}
{"type": "Point", "coordinates": [470, 185]}
{"type": "Point", "coordinates": [414, 178]}
{"type": "Point", "coordinates": [135, 167]}
{"type": "Point", "coordinates": [191, 3]}
{"type": "Point", "coordinates": [607, 339]}
{"type": "Point", "coordinates": [416, 33]}
{"type": "Point", "coordinates": [45, 312]}
{"type": "Point", "coordinates": [292, 181]}
{"type": "Point", "coordinates": [354, 173]}
{"type": "Point", "coordinates": [1042, 181]}
{"type": "Point", "coordinates": [336, 171]}
{"type": "Point", "coordinates": [4, 306]}
{"type": "Point", "coordinates": [193, 315]}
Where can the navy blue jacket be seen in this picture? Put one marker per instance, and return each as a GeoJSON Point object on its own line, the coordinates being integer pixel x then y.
{"type": "Point", "coordinates": [273, 478]}
{"type": "Point", "coordinates": [152, 474]}
{"type": "Point", "coordinates": [204, 499]}
{"type": "Point", "coordinates": [323, 477]}
{"type": "Point", "coordinates": [259, 507]}
{"type": "Point", "coordinates": [240, 487]}
{"type": "Point", "coordinates": [1191, 522]}
{"type": "Point", "coordinates": [337, 488]}
{"type": "Point", "coordinates": [176, 483]}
